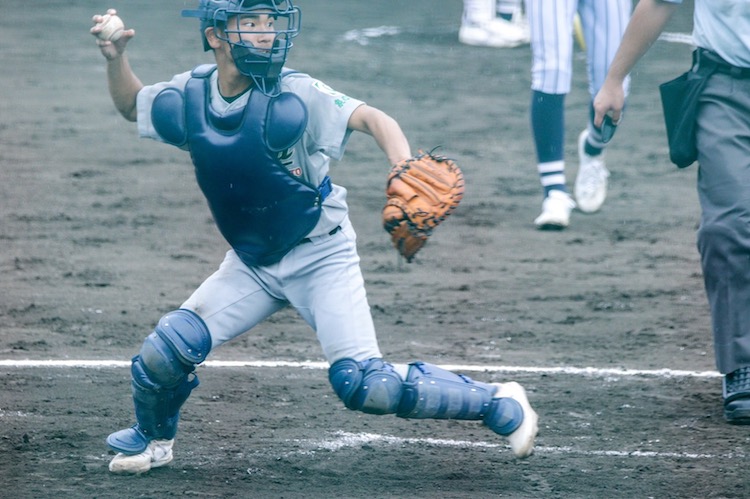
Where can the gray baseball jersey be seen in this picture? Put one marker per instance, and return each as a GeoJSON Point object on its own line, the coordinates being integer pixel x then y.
{"type": "Point", "coordinates": [722, 26]}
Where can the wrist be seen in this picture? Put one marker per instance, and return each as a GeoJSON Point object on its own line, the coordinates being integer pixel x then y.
{"type": "Point", "coordinates": [113, 58]}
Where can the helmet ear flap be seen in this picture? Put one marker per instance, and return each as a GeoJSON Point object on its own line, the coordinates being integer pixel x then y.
{"type": "Point", "coordinates": [206, 44]}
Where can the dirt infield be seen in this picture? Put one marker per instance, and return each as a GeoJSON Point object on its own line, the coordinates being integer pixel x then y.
{"type": "Point", "coordinates": [606, 324]}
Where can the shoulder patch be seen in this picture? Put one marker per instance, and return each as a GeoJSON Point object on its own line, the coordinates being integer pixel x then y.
{"type": "Point", "coordinates": [339, 98]}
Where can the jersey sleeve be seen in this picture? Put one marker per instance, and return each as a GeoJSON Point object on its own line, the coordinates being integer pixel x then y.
{"type": "Point", "coordinates": [328, 114]}
{"type": "Point", "coordinates": [145, 100]}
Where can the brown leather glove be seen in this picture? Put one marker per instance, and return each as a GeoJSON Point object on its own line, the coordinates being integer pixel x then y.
{"type": "Point", "coordinates": [422, 191]}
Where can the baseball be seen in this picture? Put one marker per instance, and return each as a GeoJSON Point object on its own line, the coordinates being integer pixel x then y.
{"type": "Point", "coordinates": [111, 28]}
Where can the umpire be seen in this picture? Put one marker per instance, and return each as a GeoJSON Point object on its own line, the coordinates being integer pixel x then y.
{"type": "Point", "coordinates": [722, 142]}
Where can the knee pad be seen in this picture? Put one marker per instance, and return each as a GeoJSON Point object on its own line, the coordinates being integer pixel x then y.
{"type": "Point", "coordinates": [179, 342]}
{"type": "Point", "coordinates": [432, 392]}
{"type": "Point", "coordinates": [371, 386]}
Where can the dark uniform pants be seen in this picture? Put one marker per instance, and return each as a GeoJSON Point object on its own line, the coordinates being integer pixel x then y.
{"type": "Point", "coordinates": [723, 142]}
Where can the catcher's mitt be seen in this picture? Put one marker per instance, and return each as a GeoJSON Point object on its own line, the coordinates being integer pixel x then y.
{"type": "Point", "coordinates": [421, 192]}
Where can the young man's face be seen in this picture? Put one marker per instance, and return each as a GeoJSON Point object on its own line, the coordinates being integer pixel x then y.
{"type": "Point", "coordinates": [255, 29]}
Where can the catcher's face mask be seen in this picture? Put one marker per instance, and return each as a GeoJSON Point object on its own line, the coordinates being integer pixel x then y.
{"type": "Point", "coordinates": [259, 33]}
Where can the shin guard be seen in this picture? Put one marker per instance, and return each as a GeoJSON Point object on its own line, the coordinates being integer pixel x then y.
{"type": "Point", "coordinates": [432, 392]}
{"type": "Point", "coordinates": [163, 375]}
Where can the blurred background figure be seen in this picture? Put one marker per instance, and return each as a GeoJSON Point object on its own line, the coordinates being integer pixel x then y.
{"type": "Point", "coordinates": [494, 23]}
{"type": "Point", "coordinates": [601, 25]}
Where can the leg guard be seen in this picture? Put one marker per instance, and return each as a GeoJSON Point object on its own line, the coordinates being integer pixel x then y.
{"type": "Point", "coordinates": [428, 392]}
{"type": "Point", "coordinates": [162, 379]}
{"type": "Point", "coordinates": [432, 392]}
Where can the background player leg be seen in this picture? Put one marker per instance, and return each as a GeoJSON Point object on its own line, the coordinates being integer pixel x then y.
{"type": "Point", "coordinates": [548, 127]}
{"type": "Point", "coordinates": [603, 24]}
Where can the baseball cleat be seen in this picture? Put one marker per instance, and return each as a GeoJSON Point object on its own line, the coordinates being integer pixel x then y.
{"type": "Point", "coordinates": [556, 209]}
{"type": "Point", "coordinates": [496, 32]}
{"type": "Point", "coordinates": [521, 440]}
{"type": "Point", "coordinates": [736, 387]}
{"type": "Point", "coordinates": [591, 181]}
{"type": "Point", "coordinates": [158, 453]}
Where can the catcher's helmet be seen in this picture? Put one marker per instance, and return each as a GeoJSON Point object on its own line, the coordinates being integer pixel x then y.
{"type": "Point", "coordinates": [260, 64]}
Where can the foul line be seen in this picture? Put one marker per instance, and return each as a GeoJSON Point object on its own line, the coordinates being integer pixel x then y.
{"type": "Point", "coordinates": [344, 439]}
{"type": "Point", "coordinates": [260, 364]}
{"type": "Point", "coordinates": [363, 36]}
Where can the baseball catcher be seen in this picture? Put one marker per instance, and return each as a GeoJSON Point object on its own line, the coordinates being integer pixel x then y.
{"type": "Point", "coordinates": [261, 138]}
{"type": "Point", "coordinates": [422, 191]}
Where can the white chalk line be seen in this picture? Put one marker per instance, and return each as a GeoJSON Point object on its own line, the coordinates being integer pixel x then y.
{"type": "Point", "coordinates": [343, 440]}
{"type": "Point", "coordinates": [260, 364]}
{"type": "Point", "coordinates": [363, 36]}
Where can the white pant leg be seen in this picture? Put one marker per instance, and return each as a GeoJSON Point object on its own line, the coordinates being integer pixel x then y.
{"type": "Point", "coordinates": [603, 24]}
{"type": "Point", "coordinates": [232, 300]}
{"type": "Point", "coordinates": [323, 281]}
{"type": "Point", "coordinates": [551, 27]}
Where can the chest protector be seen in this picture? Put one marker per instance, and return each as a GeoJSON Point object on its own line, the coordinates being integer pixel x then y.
{"type": "Point", "coordinates": [260, 208]}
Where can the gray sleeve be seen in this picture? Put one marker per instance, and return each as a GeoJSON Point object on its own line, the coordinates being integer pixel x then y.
{"type": "Point", "coordinates": [328, 114]}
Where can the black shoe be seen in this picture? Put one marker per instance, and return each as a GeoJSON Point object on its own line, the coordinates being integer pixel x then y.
{"type": "Point", "coordinates": [737, 396]}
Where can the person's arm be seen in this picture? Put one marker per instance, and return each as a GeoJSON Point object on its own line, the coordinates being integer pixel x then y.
{"type": "Point", "coordinates": [384, 129]}
{"type": "Point", "coordinates": [646, 24]}
{"type": "Point", "coordinates": [123, 84]}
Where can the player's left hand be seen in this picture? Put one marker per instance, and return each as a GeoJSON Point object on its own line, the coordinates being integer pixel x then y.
{"type": "Point", "coordinates": [422, 191]}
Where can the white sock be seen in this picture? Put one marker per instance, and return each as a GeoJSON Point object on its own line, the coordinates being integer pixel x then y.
{"type": "Point", "coordinates": [478, 11]}
{"type": "Point", "coordinates": [551, 173]}
{"type": "Point", "coordinates": [506, 8]}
